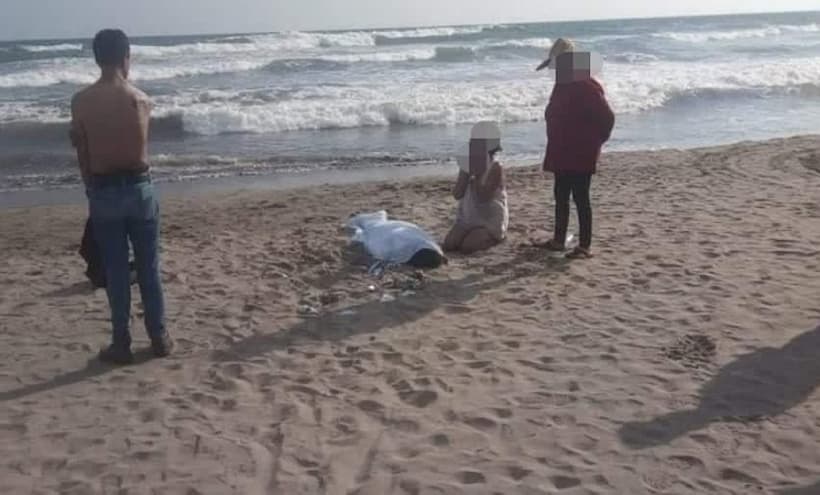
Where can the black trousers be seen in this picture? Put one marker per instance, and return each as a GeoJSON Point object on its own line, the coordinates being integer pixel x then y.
{"type": "Point", "coordinates": [576, 185]}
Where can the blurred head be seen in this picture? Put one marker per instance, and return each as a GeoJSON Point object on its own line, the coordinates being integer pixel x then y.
{"type": "Point", "coordinates": [569, 63]}
{"type": "Point", "coordinates": [485, 143]}
{"type": "Point", "coordinates": [560, 47]}
{"type": "Point", "coordinates": [573, 66]}
{"type": "Point", "coordinates": [112, 50]}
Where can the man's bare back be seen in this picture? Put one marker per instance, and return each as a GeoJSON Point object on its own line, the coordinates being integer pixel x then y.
{"type": "Point", "coordinates": [109, 127]}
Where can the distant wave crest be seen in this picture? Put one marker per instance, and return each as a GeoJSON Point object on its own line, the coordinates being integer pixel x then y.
{"type": "Point", "coordinates": [63, 47]}
{"type": "Point", "coordinates": [727, 35]}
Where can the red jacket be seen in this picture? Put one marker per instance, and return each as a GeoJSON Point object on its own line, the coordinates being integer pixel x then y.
{"type": "Point", "coordinates": [579, 122]}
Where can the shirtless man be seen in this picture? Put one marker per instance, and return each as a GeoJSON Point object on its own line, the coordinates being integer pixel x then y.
{"type": "Point", "coordinates": [109, 129]}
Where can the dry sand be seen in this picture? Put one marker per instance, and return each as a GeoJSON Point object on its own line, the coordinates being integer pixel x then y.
{"type": "Point", "coordinates": [683, 359]}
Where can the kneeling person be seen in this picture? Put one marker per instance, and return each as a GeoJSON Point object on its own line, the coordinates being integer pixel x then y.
{"type": "Point", "coordinates": [482, 216]}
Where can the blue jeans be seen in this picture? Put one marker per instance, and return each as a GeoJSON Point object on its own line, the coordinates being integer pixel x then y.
{"type": "Point", "coordinates": [124, 209]}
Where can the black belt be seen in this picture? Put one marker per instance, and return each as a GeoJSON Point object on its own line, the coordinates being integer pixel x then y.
{"type": "Point", "coordinates": [123, 179]}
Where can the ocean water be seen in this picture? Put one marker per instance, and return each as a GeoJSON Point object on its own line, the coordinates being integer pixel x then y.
{"type": "Point", "coordinates": [290, 102]}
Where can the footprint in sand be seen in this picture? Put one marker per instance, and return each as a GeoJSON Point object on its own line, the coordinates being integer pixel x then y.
{"type": "Point", "coordinates": [534, 365]}
{"type": "Point", "coordinates": [371, 407]}
{"type": "Point", "coordinates": [404, 425]}
{"type": "Point", "coordinates": [454, 309]}
{"type": "Point", "coordinates": [520, 301]}
{"type": "Point", "coordinates": [518, 473]}
{"type": "Point", "coordinates": [152, 415]}
{"type": "Point", "coordinates": [440, 440]}
{"type": "Point", "coordinates": [565, 420]}
{"type": "Point", "coordinates": [479, 365]}
{"type": "Point", "coordinates": [565, 482]}
{"type": "Point", "coordinates": [234, 370]}
{"type": "Point", "coordinates": [602, 481]}
{"type": "Point", "coordinates": [15, 428]}
{"type": "Point", "coordinates": [303, 389]}
{"type": "Point", "coordinates": [730, 474]}
{"type": "Point", "coordinates": [480, 423]}
{"type": "Point", "coordinates": [418, 398]}
{"type": "Point", "coordinates": [448, 345]}
{"type": "Point", "coordinates": [686, 462]}
{"type": "Point", "coordinates": [228, 405]}
{"type": "Point", "coordinates": [471, 477]}
{"type": "Point", "coordinates": [264, 379]}
{"type": "Point", "coordinates": [503, 413]}
{"type": "Point", "coordinates": [174, 366]}
{"type": "Point", "coordinates": [205, 399]}
{"type": "Point", "coordinates": [693, 350]}
{"type": "Point", "coordinates": [346, 425]}
{"type": "Point", "coordinates": [422, 382]}
{"type": "Point", "coordinates": [75, 487]}
{"type": "Point", "coordinates": [410, 487]}
{"type": "Point", "coordinates": [147, 455]}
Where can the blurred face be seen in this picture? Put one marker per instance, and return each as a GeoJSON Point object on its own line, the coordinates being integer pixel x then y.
{"type": "Point", "coordinates": [479, 156]}
{"type": "Point", "coordinates": [571, 67]}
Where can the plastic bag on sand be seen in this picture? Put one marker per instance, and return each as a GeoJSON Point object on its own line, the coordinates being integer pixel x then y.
{"type": "Point", "coordinates": [393, 242]}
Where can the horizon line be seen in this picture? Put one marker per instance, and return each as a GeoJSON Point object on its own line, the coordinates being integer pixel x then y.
{"type": "Point", "coordinates": [427, 26]}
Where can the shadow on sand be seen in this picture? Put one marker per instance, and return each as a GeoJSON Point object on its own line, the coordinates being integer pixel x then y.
{"type": "Point", "coordinates": [78, 289]}
{"type": "Point", "coordinates": [92, 369]}
{"type": "Point", "coordinates": [758, 385]}
{"type": "Point", "coordinates": [365, 318]}
{"type": "Point", "coordinates": [805, 490]}
{"type": "Point", "coordinates": [374, 316]}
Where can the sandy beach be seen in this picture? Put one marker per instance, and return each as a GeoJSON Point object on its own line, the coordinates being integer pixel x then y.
{"type": "Point", "coordinates": [684, 358]}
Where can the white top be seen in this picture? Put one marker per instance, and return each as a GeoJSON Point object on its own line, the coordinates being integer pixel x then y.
{"type": "Point", "coordinates": [492, 215]}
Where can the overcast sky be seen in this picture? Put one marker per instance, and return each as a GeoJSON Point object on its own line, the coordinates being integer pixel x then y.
{"type": "Point", "coordinates": [21, 19]}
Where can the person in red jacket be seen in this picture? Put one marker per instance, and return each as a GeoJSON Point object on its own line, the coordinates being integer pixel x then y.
{"type": "Point", "coordinates": [579, 121]}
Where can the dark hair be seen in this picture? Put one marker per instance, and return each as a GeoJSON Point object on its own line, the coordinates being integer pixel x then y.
{"type": "Point", "coordinates": [111, 48]}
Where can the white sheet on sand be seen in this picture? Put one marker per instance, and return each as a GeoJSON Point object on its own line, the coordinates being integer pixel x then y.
{"type": "Point", "coordinates": [390, 242]}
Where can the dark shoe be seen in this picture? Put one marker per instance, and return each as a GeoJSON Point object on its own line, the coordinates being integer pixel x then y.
{"type": "Point", "coordinates": [163, 346]}
{"type": "Point", "coordinates": [116, 355]}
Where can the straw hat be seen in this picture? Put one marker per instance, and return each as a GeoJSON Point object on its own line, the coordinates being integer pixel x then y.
{"type": "Point", "coordinates": [561, 46]}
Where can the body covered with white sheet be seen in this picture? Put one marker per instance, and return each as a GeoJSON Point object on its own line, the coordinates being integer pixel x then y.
{"type": "Point", "coordinates": [393, 242]}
